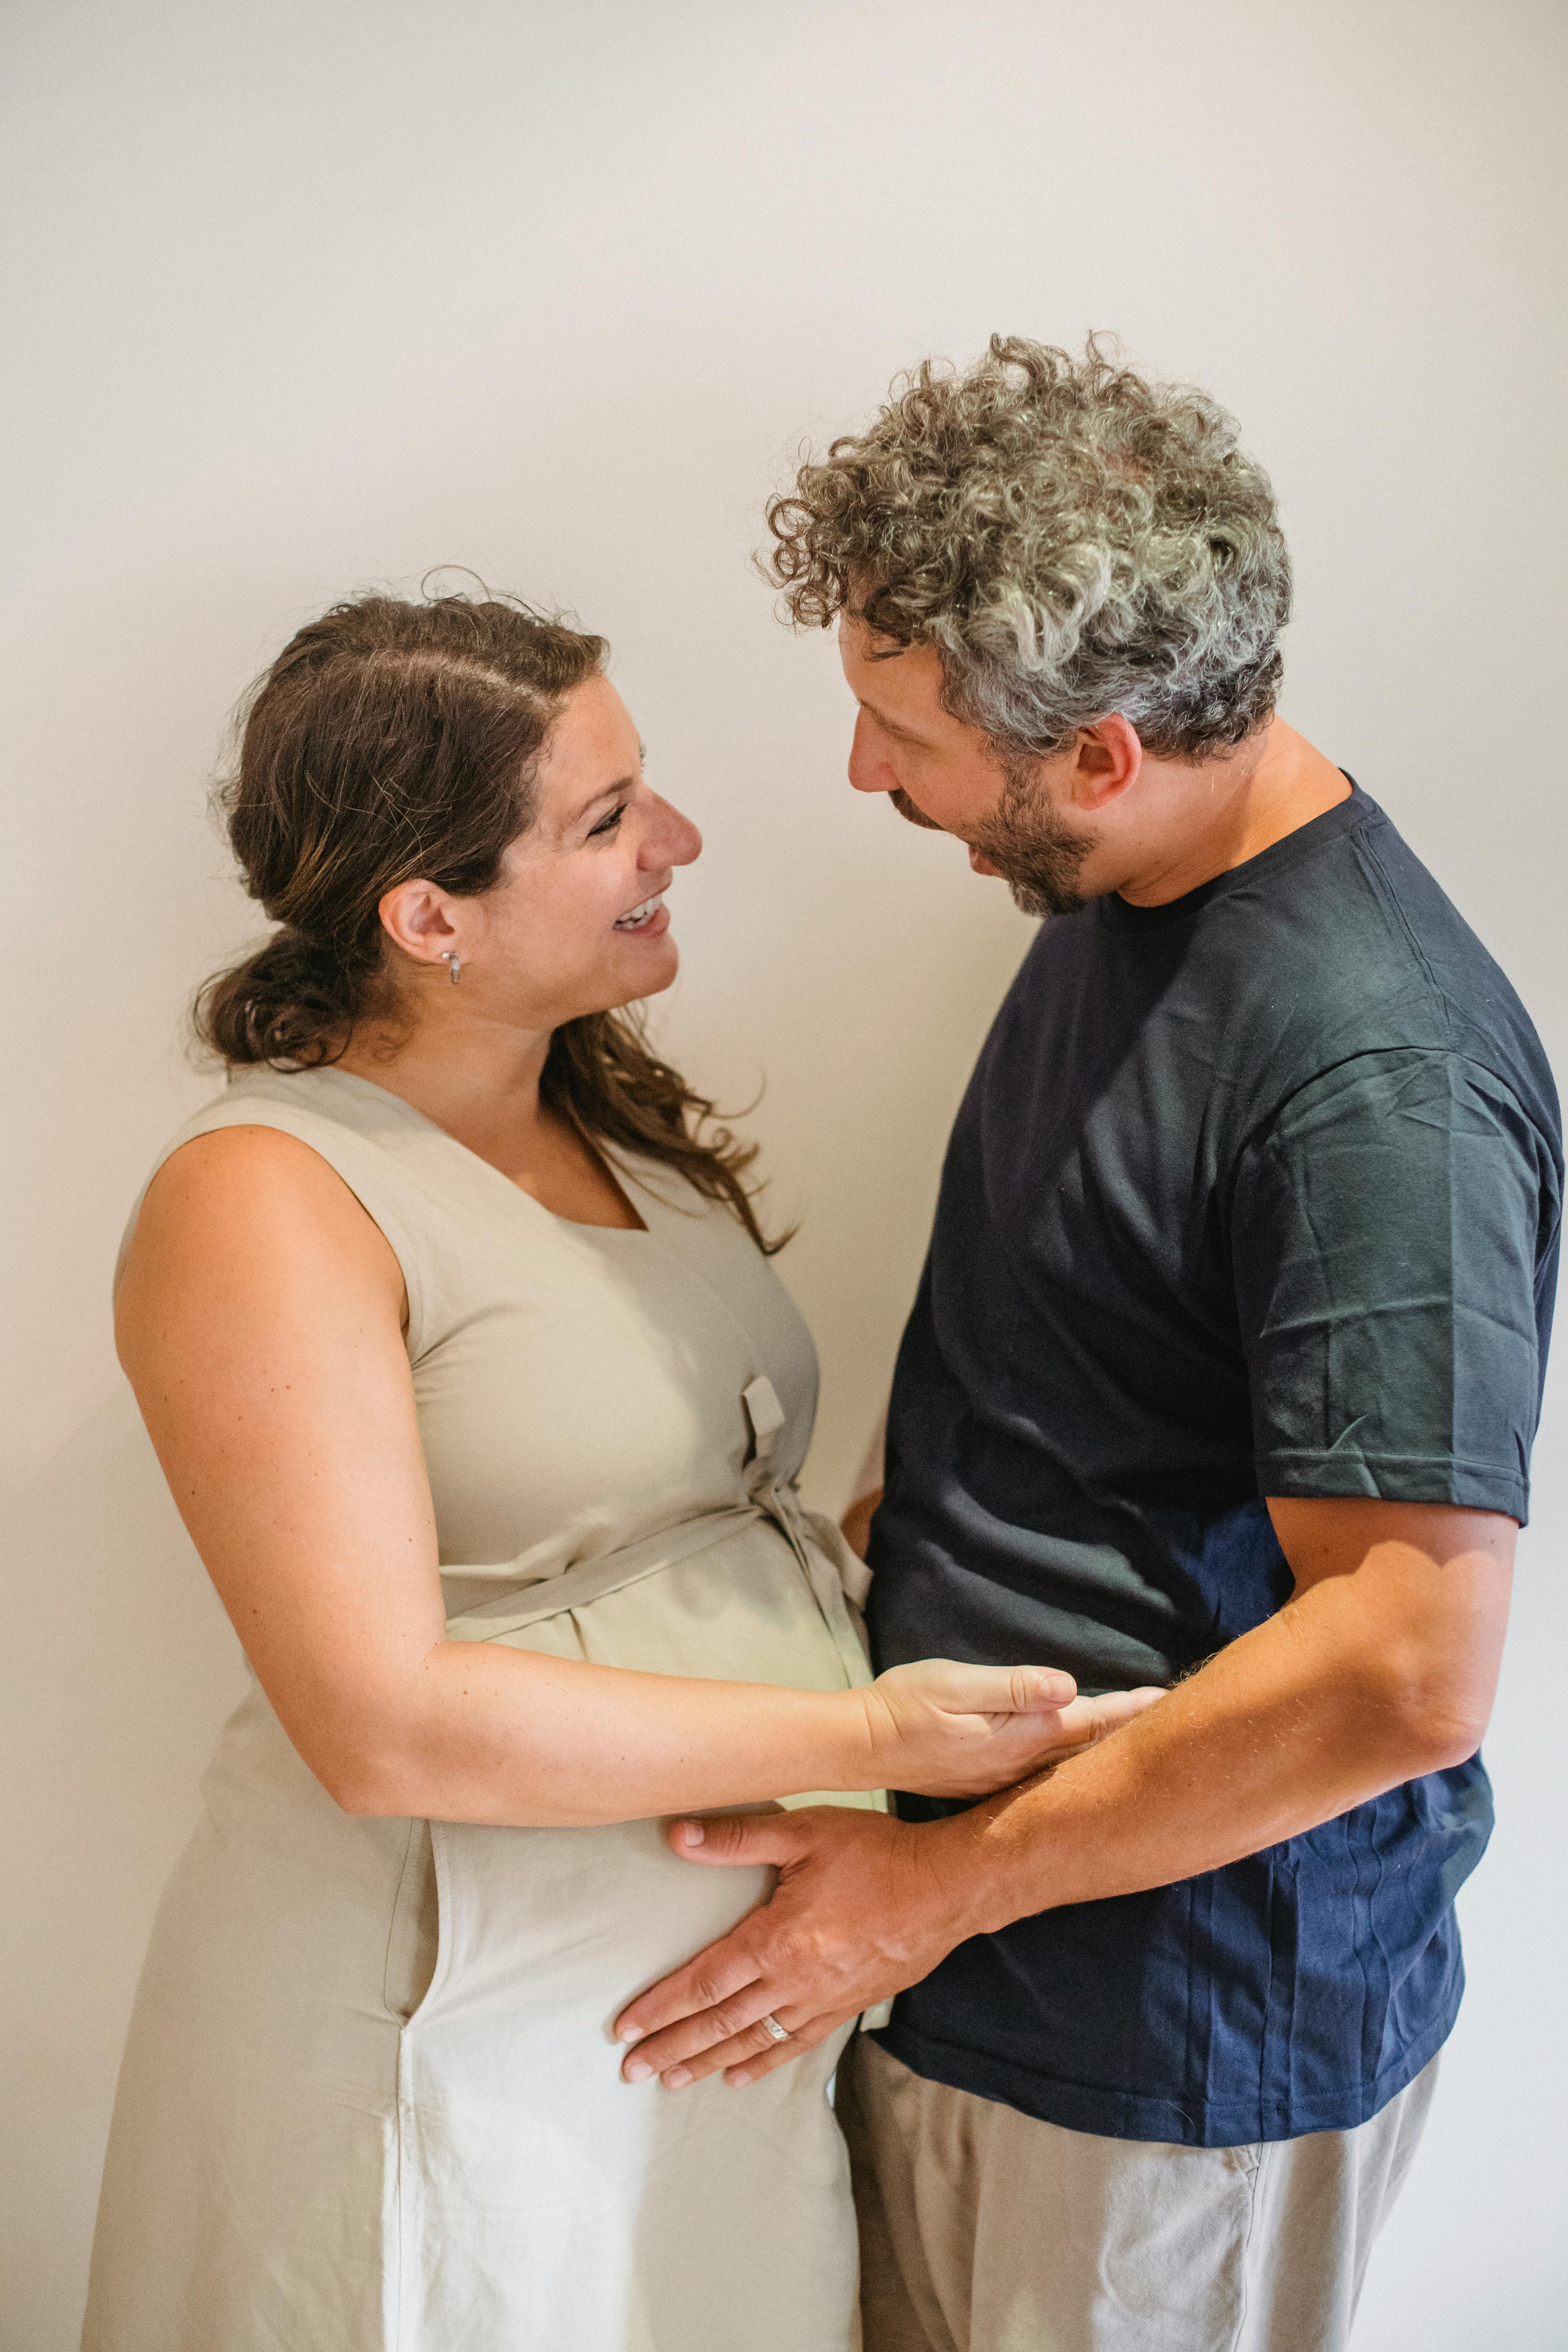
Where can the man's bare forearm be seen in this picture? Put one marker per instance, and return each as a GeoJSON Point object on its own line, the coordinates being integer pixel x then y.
{"type": "Point", "coordinates": [1350, 1690]}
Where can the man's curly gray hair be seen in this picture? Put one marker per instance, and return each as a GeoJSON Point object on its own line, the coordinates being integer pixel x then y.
{"type": "Point", "coordinates": [1073, 539]}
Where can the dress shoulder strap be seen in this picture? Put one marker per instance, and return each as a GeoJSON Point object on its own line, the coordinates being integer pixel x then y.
{"type": "Point", "coordinates": [343, 1130]}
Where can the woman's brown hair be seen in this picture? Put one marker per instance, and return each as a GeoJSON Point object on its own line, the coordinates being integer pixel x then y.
{"type": "Point", "coordinates": [393, 741]}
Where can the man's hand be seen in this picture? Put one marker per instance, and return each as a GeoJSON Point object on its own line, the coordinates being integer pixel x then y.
{"type": "Point", "coordinates": [856, 1524]}
{"type": "Point", "coordinates": [861, 1910]}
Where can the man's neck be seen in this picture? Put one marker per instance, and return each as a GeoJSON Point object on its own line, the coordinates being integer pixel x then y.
{"type": "Point", "coordinates": [1221, 812]}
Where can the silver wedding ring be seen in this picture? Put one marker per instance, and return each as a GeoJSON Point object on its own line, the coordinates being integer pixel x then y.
{"type": "Point", "coordinates": [771, 2025]}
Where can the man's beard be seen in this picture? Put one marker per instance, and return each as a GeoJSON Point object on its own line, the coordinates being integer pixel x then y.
{"type": "Point", "coordinates": [1038, 854]}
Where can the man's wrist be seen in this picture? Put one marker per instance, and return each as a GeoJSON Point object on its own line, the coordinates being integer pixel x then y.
{"type": "Point", "coordinates": [977, 1871]}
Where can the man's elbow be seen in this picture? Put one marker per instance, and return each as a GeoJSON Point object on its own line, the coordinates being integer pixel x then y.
{"type": "Point", "coordinates": [1444, 1744]}
{"type": "Point", "coordinates": [1437, 1717]}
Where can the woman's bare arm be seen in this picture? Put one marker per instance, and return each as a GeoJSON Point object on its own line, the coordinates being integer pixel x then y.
{"type": "Point", "coordinates": [260, 1322]}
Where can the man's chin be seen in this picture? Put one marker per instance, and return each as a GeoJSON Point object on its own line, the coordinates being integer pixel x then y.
{"type": "Point", "coordinates": [1041, 870]}
{"type": "Point", "coordinates": [1040, 893]}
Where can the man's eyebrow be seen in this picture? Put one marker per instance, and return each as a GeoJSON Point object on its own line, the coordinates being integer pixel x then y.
{"type": "Point", "coordinates": [892, 726]}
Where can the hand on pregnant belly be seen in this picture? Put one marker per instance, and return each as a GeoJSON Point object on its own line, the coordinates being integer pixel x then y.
{"type": "Point", "coordinates": [942, 1729]}
{"type": "Point", "coordinates": [863, 1906]}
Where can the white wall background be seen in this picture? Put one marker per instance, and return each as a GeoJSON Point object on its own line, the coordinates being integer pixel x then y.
{"type": "Point", "coordinates": [304, 297]}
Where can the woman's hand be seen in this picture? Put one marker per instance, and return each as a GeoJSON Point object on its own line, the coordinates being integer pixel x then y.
{"type": "Point", "coordinates": [942, 1729]}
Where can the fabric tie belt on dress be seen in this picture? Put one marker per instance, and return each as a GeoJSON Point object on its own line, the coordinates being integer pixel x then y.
{"type": "Point", "coordinates": [829, 1567]}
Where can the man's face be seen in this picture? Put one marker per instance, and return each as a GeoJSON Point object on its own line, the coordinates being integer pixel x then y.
{"type": "Point", "coordinates": [943, 774]}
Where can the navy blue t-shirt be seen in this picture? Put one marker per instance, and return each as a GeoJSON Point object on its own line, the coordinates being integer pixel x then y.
{"type": "Point", "coordinates": [1254, 1194]}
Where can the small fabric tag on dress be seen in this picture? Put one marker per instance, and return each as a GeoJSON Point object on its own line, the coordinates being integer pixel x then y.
{"type": "Point", "coordinates": [765, 1414]}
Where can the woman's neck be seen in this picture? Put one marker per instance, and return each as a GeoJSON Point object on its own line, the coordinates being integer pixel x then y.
{"type": "Point", "coordinates": [470, 1074]}
{"type": "Point", "coordinates": [478, 1080]}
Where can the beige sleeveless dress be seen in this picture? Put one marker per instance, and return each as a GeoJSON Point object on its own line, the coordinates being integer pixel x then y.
{"type": "Point", "coordinates": [370, 2097]}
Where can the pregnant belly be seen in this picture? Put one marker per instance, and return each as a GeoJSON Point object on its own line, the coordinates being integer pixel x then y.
{"type": "Point", "coordinates": [547, 1934]}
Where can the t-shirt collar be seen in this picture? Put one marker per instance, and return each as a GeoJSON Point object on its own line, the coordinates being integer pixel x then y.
{"type": "Point", "coordinates": [1118, 914]}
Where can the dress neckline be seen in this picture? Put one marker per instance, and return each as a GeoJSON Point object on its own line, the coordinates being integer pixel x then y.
{"type": "Point", "coordinates": [399, 1103]}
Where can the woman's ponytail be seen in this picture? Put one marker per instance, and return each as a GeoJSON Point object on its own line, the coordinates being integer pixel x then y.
{"type": "Point", "coordinates": [289, 1004]}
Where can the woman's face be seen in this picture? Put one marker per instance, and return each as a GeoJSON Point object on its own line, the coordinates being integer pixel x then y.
{"type": "Point", "coordinates": [577, 922]}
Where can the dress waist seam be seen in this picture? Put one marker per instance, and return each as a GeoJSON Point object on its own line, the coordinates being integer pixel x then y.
{"type": "Point", "coordinates": [592, 1579]}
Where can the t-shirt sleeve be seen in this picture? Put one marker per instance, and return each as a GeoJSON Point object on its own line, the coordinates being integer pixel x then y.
{"type": "Point", "coordinates": [1393, 1237]}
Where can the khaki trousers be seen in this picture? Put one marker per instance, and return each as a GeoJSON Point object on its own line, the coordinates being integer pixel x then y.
{"type": "Point", "coordinates": [985, 2231]}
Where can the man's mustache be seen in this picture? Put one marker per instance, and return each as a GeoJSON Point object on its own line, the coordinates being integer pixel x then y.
{"type": "Point", "coordinates": [907, 808]}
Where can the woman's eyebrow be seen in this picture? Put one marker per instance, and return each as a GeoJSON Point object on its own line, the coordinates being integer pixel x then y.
{"type": "Point", "coordinates": [621, 784]}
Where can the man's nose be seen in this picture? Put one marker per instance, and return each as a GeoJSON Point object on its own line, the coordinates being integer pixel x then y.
{"type": "Point", "coordinates": [871, 771]}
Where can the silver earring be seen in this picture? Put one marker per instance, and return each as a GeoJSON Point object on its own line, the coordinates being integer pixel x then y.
{"type": "Point", "coordinates": [455, 963]}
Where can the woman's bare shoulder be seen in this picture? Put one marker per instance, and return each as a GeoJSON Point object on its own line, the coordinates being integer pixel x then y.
{"type": "Point", "coordinates": [251, 1212]}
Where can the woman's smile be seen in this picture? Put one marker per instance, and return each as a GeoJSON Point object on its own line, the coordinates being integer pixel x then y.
{"type": "Point", "coordinates": [651, 918]}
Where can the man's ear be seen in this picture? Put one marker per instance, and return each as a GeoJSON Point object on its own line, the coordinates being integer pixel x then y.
{"type": "Point", "coordinates": [1103, 761]}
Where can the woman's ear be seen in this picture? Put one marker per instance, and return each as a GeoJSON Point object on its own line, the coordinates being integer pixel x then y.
{"type": "Point", "coordinates": [1104, 760]}
{"type": "Point", "coordinates": [419, 918]}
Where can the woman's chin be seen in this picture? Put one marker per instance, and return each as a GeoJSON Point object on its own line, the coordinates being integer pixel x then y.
{"type": "Point", "coordinates": [647, 969]}
{"type": "Point", "coordinates": [655, 952]}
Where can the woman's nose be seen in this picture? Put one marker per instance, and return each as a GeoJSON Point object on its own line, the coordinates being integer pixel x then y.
{"type": "Point", "coordinates": [671, 840]}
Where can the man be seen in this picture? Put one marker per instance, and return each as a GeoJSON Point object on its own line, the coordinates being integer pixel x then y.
{"type": "Point", "coordinates": [1222, 1374]}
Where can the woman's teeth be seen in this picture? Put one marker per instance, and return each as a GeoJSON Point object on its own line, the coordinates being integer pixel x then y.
{"type": "Point", "coordinates": [640, 915]}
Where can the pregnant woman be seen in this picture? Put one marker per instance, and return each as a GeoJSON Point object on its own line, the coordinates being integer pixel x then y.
{"type": "Point", "coordinates": [454, 1331]}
